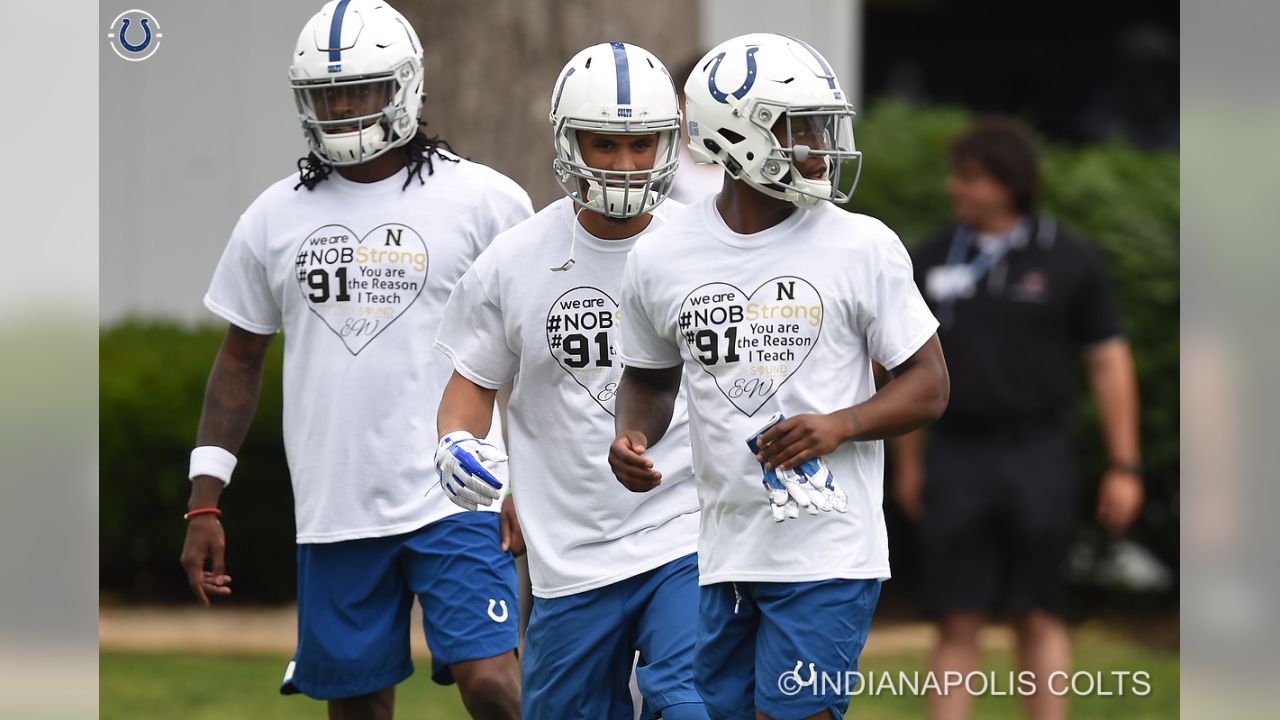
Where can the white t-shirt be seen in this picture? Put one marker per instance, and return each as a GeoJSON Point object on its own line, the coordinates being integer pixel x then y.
{"type": "Point", "coordinates": [357, 274]}
{"type": "Point", "coordinates": [555, 334]}
{"type": "Point", "coordinates": [787, 320]}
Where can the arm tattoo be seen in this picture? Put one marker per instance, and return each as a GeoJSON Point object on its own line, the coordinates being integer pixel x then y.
{"type": "Point", "coordinates": [231, 397]}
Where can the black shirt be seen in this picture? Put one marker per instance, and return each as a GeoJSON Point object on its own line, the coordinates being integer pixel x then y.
{"type": "Point", "coordinates": [1012, 344]}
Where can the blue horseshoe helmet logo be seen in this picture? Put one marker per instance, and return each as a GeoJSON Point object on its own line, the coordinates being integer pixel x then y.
{"type": "Point", "coordinates": [743, 89]}
{"type": "Point", "coordinates": [124, 40]}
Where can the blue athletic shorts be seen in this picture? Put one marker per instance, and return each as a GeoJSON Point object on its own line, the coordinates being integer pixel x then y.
{"type": "Point", "coordinates": [752, 634]}
{"type": "Point", "coordinates": [354, 599]}
{"type": "Point", "coordinates": [578, 649]}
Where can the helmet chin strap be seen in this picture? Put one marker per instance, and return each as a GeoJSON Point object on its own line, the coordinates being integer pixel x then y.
{"type": "Point", "coordinates": [806, 201]}
{"type": "Point", "coordinates": [779, 191]}
{"type": "Point", "coordinates": [803, 192]}
{"type": "Point", "coordinates": [354, 145]}
{"type": "Point", "coordinates": [604, 198]}
{"type": "Point", "coordinates": [815, 191]}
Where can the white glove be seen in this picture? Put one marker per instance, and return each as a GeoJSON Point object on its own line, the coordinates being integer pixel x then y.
{"type": "Point", "coordinates": [464, 465]}
{"type": "Point", "coordinates": [822, 485]}
{"type": "Point", "coordinates": [790, 490]}
{"type": "Point", "coordinates": [810, 485]}
{"type": "Point", "coordinates": [782, 503]}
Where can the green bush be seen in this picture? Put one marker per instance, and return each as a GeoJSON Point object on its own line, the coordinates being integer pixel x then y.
{"type": "Point", "coordinates": [1122, 200]}
{"type": "Point", "coordinates": [153, 374]}
{"type": "Point", "coordinates": [152, 385]}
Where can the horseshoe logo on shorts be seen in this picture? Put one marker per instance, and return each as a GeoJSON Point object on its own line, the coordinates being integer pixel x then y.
{"type": "Point", "coordinates": [495, 616]}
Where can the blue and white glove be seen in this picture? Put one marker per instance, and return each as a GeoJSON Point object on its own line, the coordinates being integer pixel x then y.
{"type": "Point", "coordinates": [823, 482]}
{"type": "Point", "coordinates": [782, 501]}
{"type": "Point", "coordinates": [464, 465]}
{"type": "Point", "coordinates": [810, 485]}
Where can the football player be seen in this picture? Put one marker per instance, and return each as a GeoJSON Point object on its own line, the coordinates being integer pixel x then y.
{"type": "Point", "coordinates": [354, 260]}
{"type": "Point", "coordinates": [774, 303]}
{"type": "Point", "coordinates": [613, 572]}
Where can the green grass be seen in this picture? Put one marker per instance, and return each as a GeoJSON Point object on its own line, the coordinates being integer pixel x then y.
{"type": "Point", "coordinates": [153, 686]}
{"type": "Point", "coordinates": [146, 686]}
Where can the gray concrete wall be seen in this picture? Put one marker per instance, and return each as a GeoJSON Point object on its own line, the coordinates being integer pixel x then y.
{"type": "Point", "coordinates": [191, 135]}
{"type": "Point", "coordinates": [188, 138]}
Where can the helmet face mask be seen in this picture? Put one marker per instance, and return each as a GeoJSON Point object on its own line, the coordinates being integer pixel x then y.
{"type": "Point", "coordinates": [806, 134]}
{"type": "Point", "coordinates": [615, 89]}
{"type": "Point", "coordinates": [616, 194]}
{"type": "Point", "coordinates": [350, 119]}
{"type": "Point", "coordinates": [357, 81]}
{"type": "Point", "coordinates": [786, 118]}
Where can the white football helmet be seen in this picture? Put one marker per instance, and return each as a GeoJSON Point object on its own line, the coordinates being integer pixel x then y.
{"type": "Point", "coordinates": [357, 78]}
{"type": "Point", "coordinates": [746, 87]}
{"type": "Point", "coordinates": [615, 88]}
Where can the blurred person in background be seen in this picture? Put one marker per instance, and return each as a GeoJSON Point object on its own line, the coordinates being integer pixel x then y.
{"type": "Point", "coordinates": [694, 180]}
{"type": "Point", "coordinates": [354, 259]}
{"type": "Point", "coordinates": [1018, 300]}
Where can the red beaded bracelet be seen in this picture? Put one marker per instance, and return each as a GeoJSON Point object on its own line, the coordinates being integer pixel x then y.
{"type": "Point", "coordinates": [201, 511]}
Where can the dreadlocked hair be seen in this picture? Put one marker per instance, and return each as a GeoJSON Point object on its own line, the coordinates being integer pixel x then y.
{"type": "Point", "coordinates": [422, 149]}
{"type": "Point", "coordinates": [311, 171]}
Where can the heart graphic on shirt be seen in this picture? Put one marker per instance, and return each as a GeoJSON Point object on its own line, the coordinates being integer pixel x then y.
{"type": "Point", "coordinates": [579, 324]}
{"type": "Point", "coordinates": [751, 343]}
{"type": "Point", "coordinates": [359, 285]}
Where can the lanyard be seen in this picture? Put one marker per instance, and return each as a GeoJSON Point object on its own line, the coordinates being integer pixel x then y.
{"type": "Point", "coordinates": [976, 269]}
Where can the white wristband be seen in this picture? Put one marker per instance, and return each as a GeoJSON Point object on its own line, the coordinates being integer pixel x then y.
{"type": "Point", "coordinates": [213, 461]}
